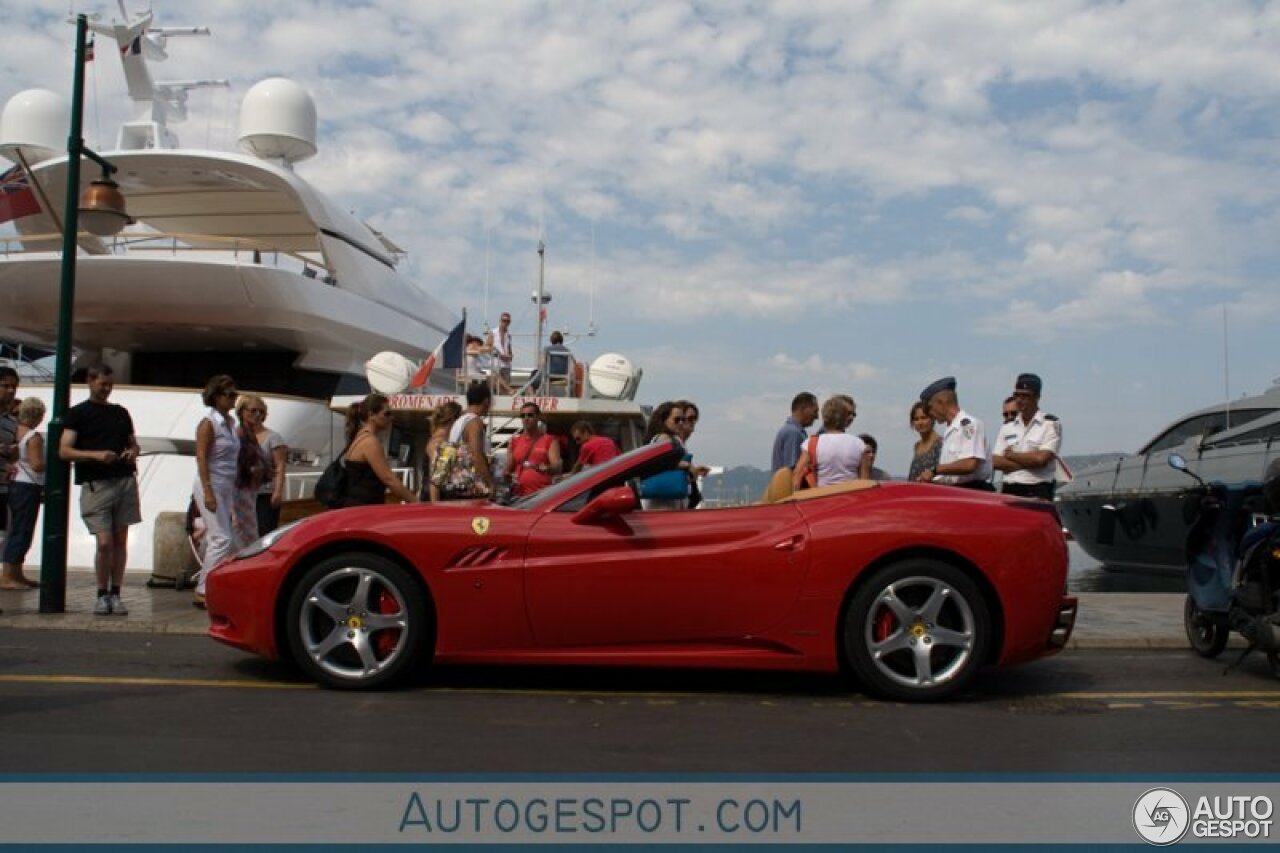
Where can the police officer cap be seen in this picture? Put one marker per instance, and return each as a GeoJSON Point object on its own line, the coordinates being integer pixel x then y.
{"type": "Point", "coordinates": [946, 383]}
{"type": "Point", "coordinates": [1028, 382]}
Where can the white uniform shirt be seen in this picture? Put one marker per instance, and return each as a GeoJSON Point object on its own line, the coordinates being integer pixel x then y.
{"type": "Point", "coordinates": [1043, 433]}
{"type": "Point", "coordinates": [964, 438]}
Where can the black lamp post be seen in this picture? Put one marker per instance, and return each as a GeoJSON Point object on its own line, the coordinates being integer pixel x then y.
{"type": "Point", "coordinates": [103, 208]}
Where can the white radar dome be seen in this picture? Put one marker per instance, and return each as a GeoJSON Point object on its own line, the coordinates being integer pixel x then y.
{"type": "Point", "coordinates": [35, 122]}
{"type": "Point", "coordinates": [389, 372]}
{"type": "Point", "coordinates": [613, 376]}
{"type": "Point", "coordinates": [278, 121]}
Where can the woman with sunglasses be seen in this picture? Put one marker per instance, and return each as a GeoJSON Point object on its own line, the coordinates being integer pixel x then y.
{"type": "Point", "coordinates": [369, 475]}
{"type": "Point", "coordinates": [275, 455]}
{"type": "Point", "coordinates": [217, 454]}
{"type": "Point", "coordinates": [929, 446]}
{"type": "Point", "coordinates": [667, 489]}
{"type": "Point", "coordinates": [535, 455]}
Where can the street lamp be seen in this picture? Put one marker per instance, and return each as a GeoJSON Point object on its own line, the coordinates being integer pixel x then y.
{"type": "Point", "coordinates": [104, 214]}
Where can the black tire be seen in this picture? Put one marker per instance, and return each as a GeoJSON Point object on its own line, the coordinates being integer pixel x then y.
{"type": "Point", "coordinates": [917, 631]}
{"type": "Point", "coordinates": [1207, 632]}
{"type": "Point", "coordinates": [358, 622]}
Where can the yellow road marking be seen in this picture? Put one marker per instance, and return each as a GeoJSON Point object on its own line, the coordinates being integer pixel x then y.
{"type": "Point", "coordinates": [1177, 694]}
{"type": "Point", "coordinates": [1257, 698]}
{"type": "Point", "coordinates": [150, 682]}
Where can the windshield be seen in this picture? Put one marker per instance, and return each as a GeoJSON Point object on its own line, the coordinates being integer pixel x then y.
{"type": "Point", "coordinates": [566, 487]}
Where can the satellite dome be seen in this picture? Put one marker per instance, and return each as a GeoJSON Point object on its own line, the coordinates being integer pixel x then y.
{"type": "Point", "coordinates": [389, 372]}
{"type": "Point", "coordinates": [278, 121]}
{"type": "Point", "coordinates": [612, 376]}
{"type": "Point", "coordinates": [36, 123]}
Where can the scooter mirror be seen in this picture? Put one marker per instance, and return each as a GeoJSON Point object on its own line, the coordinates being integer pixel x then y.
{"type": "Point", "coordinates": [1176, 461]}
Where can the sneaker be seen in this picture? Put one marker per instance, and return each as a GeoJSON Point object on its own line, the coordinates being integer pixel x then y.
{"type": "Point", "coordinates": [103, 607]}
{"type": "Point", "coordinates": [117, 606]}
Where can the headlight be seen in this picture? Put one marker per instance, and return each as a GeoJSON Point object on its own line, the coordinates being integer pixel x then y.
{"type": "Point", "coordinates": [256, 548]}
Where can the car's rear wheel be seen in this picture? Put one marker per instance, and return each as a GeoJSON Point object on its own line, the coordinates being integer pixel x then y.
{"type": "Point", "coordinates": [917, 631]}
{"type": "Point", "coordinates": [358, 621]}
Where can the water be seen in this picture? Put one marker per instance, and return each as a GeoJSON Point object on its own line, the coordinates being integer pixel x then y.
{"type": "Point", "coordinates": [1087, 575]}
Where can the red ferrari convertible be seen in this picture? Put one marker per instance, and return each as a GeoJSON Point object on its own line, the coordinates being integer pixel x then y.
{"type": "Point", "coordinates": [911, 588]}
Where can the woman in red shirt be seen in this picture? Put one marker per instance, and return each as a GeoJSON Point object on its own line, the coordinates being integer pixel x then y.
{"type": "Point", "coordinates": [534, 456]}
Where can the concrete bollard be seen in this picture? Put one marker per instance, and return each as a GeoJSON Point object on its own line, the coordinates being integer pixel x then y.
{"type": "Point", "coordinates": [173, 562]}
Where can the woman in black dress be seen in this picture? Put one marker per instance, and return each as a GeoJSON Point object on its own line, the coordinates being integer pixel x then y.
{"type": "Point", "coordinates": [369, 475]}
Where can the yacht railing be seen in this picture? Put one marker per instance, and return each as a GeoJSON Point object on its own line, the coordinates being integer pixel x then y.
{"type": "Point", "coordinates": [259, 252]}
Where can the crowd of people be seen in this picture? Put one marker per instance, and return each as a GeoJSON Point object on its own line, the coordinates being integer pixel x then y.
{"type": "Point", "coordinates": [240, 462]}
{"type": "Point", "coordinates": [1025, 450]}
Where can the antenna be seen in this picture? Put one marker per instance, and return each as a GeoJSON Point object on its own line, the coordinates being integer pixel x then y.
{"type": "Point", "coordinates": [591, 285]}
{"type": "Point", "coordinates": [488, 238]}
{"type": "Point", "coordinates": [1226, 365]}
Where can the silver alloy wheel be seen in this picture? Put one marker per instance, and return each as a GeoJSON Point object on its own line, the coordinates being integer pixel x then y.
{"type": "Point", "coordinates": [920, 632]}
{"type": "Point", "coordinates": [344, 627]}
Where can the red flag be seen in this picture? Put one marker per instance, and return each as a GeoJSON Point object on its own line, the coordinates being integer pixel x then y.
{"type": "Point", "coordinates": [17, 198]}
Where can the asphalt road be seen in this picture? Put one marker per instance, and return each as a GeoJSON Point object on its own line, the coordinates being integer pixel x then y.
{"type": "Point", "coordinates": [95, 703]}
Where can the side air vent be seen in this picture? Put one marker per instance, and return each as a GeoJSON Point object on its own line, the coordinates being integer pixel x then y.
{"type": "Point", "coordinates": [477, 557]}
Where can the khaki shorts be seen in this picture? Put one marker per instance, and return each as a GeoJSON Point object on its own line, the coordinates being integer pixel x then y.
{"type": "Point", "coordinates": [110, 504]}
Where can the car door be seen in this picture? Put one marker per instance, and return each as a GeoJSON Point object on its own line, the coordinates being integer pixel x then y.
{"type": "Point", "coordinates": [663, 576]}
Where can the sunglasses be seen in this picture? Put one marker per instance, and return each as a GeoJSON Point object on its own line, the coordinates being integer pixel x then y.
{"type": "Point", "coordinates": [256, 411]}
{"type": "Point", "coordinates": [680, 420]}
{"type": "Point", "coordinates": [1009, 416]}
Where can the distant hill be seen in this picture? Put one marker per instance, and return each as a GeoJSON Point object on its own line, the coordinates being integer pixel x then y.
{"type": "Point", "coordinates": [746, 483]}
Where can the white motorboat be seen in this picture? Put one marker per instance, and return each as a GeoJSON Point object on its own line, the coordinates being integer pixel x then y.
{"type": "Point", "coordinates": [235, 264]}
{"type": "Point", "coordinates": [1129, 514]}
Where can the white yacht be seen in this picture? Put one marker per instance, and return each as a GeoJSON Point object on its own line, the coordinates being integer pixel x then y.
{"type": "Point", "coordinates": [1129, 514]}
{"type": "Point", "coordinates": [235, 264]}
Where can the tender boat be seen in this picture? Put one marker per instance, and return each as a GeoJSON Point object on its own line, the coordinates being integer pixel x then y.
{"type": "Point", "coordinates": [1128, 514]}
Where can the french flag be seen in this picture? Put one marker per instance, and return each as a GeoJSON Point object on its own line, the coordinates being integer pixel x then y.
{"type": "Point", "coordinates": [450, 348]}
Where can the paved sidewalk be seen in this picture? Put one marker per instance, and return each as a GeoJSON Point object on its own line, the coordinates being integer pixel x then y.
{"type": "Point", "coordinates": [1107, 620]}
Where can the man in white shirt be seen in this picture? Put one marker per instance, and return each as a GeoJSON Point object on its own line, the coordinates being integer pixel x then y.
{"type": "Point", "coordinates": [1027, 447]}
{"type": "Point", "coordinates": [965, 460]}
{"type": "Point", "coordinates": [499, 343]}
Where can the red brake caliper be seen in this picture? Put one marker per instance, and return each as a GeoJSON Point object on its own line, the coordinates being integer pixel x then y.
{"type": "Point", "coordinates": [385, 641]}
{"type": "Point", "coordinates": [883, 625]}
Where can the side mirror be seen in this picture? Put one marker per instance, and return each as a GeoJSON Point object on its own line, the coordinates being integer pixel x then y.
{"type": "Point", "coordinates": [610, 503]}
{"type": "Point", "coordinates": [1178, 463]}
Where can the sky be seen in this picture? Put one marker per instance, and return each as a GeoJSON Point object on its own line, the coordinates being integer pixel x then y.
{"type": "Point", "coordinates": [753, 199]}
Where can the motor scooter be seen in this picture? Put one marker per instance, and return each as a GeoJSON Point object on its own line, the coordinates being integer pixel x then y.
{"type": "Point", "coordinates": [1233, 566]}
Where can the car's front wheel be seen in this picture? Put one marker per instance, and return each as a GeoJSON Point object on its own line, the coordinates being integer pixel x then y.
{"type": "Point", "coordinates": [917, 631]}
{"type": "Point", "coordinates": [358, 621]}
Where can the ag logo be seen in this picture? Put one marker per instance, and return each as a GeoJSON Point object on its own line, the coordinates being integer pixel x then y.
{"type": "Point", "coordinates": [480, 525]}
{"type": "Point", "coordinates": [1161, 816]}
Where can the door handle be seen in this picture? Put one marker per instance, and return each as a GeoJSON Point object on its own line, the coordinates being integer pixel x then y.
{"type": "Point", "coordinates": [789, 544]}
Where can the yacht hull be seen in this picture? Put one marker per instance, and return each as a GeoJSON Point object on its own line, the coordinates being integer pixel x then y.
{"type": "Point", "coordinates": [1132, 514]}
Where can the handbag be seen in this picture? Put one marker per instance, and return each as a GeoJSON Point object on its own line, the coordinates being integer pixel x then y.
{"type": "Point", "coordinates": [454, 473]}
{"type": "Point", "coordinates": [331, 488]}
{"type": "Point", "coordinates": [669, 485]}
